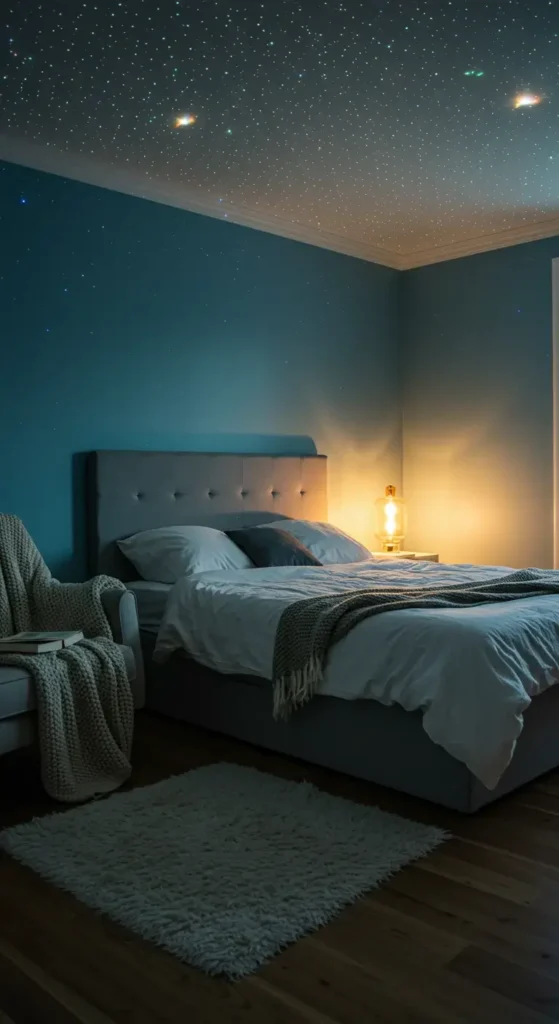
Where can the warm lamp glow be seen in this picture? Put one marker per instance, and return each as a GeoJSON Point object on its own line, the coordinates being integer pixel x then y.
{"type": "Point", "coordinates": [391, 520]}
{"type": "Point", "coordinates": [390, 511]}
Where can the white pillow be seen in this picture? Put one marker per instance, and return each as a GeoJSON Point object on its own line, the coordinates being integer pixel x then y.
{"type": "Point", "coordinates": [165, 554]}
{"type": "Point", "coordinates": [330, 545]}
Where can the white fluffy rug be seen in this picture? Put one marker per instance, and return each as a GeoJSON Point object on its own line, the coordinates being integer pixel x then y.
{"type": "Point", "coordinates": [224, 865]}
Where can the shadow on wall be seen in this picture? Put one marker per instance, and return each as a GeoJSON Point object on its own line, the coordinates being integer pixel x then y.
{"type": "Point", "coordinates": [249, 444]}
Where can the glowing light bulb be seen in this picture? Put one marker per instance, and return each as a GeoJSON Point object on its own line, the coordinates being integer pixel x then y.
{"type": "Point", "coordinates": [526, 99]}
{"type": "Point", "coordinates": [390, 513]}
{"type": "Point", "coordinates": [391, 519]}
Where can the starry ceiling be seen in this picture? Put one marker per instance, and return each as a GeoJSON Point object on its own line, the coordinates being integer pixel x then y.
{"type": "Point", "coordinates": [399, 131]}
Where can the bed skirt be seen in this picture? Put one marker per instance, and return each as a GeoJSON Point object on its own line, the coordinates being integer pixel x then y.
{"type": "Point", "coordinates": [362, 738]}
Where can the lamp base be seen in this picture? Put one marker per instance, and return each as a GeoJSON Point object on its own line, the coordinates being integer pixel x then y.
{"type": "Point", "coordinates": [391, 545]}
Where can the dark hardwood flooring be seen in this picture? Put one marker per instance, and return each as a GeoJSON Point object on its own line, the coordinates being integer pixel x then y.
{"type": "Point", "coordinates": [470, 934]}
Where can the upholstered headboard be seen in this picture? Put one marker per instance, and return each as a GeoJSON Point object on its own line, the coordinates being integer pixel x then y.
{"type": "Point", "coordinates": [133, 491]}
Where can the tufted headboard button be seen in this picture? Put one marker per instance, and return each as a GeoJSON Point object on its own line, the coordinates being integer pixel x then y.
{"type": "Point", "coordinates": [130, 491]}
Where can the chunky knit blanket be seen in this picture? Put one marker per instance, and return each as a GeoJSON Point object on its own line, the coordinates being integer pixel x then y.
{"type": "Point", "coordinates": [84, 700]}
{"type": "Point", "coordinates": [308, 628]}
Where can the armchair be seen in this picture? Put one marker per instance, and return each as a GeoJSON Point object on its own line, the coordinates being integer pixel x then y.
{"type": "Point", "coordinates": [17, 699]}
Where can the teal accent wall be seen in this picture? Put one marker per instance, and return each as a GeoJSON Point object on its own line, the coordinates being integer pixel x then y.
{"type": "Point", "coordinates": [478, 406]}
{"type": "Point", "coordinates": [129, 324]}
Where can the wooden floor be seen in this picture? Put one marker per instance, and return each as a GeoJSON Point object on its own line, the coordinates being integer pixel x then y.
{"type": "Point", "coordinates": [470, 934]}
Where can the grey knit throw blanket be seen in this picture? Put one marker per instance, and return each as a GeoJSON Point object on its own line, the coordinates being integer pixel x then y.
{"type": "Point", "coordinates": [85, 707]}
{"type": "Point", "coordinates": [308, 628]}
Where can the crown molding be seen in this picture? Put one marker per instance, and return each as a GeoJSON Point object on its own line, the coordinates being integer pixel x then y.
{"type": "Point", "coordinates": [546, 228]}
{"type": "Point", "coordinates": [46, 158]}
{"type": "Point", "coordinates": [80, 168]}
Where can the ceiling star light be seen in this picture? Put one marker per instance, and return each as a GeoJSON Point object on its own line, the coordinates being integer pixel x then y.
{"type": "Point", "coordinates": [185, 120]}
{"type": "Point", "coordinates": [526, 99]}
{"type": "Point", "coordinates": [384, 125]}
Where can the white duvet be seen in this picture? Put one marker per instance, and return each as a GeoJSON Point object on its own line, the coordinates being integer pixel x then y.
{"type": "Point", "coordinates": [471, 671]}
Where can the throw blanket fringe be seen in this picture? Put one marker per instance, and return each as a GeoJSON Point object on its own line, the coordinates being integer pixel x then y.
{"type": "Point", "coordinates": [295, 688]}
{"type": "Point", "coordinates": [309, 628]}
{"type": "Point", "coordinates": [85, 707]}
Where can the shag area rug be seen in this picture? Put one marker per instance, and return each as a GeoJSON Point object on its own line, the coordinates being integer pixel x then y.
{"type": "Point", "coordinates": [222, 866]}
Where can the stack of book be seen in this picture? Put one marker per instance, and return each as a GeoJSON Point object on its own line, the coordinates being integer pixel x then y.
{"type": "Point", "coordinates": [38, 643]}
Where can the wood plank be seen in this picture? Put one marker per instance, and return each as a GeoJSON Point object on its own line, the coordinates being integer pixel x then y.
{"type": "Point", "coordinates": [547, 784]}
{"type": "Point", "coordinates": [504, 862]}
{"type": "Point", "coordinates": [527, 987]}
{"type": "Point", "coordinates": [314, 976]}
{"type": "Point", "coordinates": [26, 1001]}
{"type": "Point", "coordinates": [78, 1009]}
{"type": "Point", "coordinates": [518, 944]}
{"type": "Point", "coordinates": [314, 971]}
{"type": "Point", "coordinates": [371, 934]}
{"type": "Point", "coordinates": [470, 934]}
{"type": "Point", "coordinates": [544, 869]}
{"type": "Point", "coordinates": [297, 1010]}
{"type": "Point", "coordinates": [480, 877]}
{"type": "Point", "coordinates": [518, 813]}
{"type": "Point", "coordinates": [453, 898]}
{"type": "Point", "coordinates": [513, 837]}
{"type": "Point", "coordinates": [543, 878]}
{"type": "Point", "coordinates": [540, 799]}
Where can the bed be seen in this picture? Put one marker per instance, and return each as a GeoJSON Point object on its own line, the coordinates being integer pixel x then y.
{"type": "Point", "coordinates": [133, 491]}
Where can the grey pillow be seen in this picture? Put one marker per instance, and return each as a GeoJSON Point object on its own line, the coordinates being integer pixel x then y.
{"type": "Point", "coordinates": [326, 542]}
{"type": "Point", "coordinates": [169, 552]}
{"type": "Point", "coordinates": [267, 546]}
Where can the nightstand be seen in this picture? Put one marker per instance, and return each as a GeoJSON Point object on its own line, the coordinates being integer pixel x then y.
{"type": "Point", "coordinates": [417, 556]}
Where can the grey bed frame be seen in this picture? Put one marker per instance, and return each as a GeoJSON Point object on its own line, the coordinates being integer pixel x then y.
{"type": "Point", "coordinates": [129, 491]}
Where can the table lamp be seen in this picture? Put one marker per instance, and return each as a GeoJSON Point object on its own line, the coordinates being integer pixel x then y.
{"type": "Point", "coordinates": [391, 520]}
